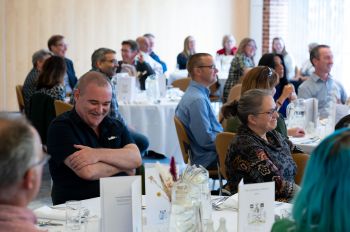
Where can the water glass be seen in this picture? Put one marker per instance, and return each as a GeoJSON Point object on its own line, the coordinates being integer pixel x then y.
{"type": "Point", "coordinates": [73, 215]}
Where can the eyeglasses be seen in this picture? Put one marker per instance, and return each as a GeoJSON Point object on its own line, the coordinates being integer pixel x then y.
{"type": "Point", "coordinates": [113, 61]}
{"type": "Point", "coordinates": [42, 161]}
{"type": "Point", "coordinates": [270, 112]}
{"type": "Point", "coordinates": [207, 66]}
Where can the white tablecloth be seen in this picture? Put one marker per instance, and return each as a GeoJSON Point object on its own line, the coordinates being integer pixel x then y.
{"type": "Point", "coordinates": [93, 224]}
{"type": "Point", "coordinates": [156, 121]}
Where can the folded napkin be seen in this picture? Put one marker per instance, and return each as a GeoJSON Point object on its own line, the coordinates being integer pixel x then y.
{"type": "Point", "coordinates": [48, 213]}
{"type": "Point", "coordinates": [230, 203]}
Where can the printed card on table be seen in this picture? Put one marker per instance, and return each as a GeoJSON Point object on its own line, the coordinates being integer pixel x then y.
{"type": "Point", "coordinates": [121, 204]}
{"type": "Point", "coordinates": [256, 206]}
{"type": "Point", "coordinates": [126, 88]}
{"type": "Point", "coordinates": [157, 198]}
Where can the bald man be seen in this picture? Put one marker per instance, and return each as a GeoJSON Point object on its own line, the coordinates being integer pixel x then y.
{"type": "Point", "coordinates": [86, 144]}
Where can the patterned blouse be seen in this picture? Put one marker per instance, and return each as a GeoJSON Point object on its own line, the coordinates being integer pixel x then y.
{"type": "Point", "coordinates": [252, 158]}
{"type": "Point", "coordinates": [238, 64]}
{"type": "Point", "coordinates": [57, 92]}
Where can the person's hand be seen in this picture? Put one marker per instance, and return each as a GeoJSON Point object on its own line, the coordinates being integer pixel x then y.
{"type": "Point", "coordinates": [287, 91]}
{"type": "Point", "coordinates": [85, 156]}
{"type": "Point", "coordinates": [293, 96]}
{"type": "Point", "coordinates": [296, 132]}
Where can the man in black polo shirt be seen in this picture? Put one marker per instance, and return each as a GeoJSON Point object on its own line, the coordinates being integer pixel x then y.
{"type": "Point", "coordinates": [86, 144]}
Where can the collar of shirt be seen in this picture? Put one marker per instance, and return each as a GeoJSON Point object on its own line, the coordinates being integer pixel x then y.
{"type": "Point", "coordinates": [316, 78]}
{"type": "Point", "coordinates": [200, 87]}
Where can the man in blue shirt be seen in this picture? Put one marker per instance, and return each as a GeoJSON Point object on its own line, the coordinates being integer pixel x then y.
{"type": "Point", "coordinates": [321, 85]}
{"type": "Point", "coordinates": [151, 38]}
{"type": "Point", "coordinates": [195, 111]}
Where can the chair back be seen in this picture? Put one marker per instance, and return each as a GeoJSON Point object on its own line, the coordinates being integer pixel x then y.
{"type": "Point", "coordinates": [235, 93]}
{"type": "Point", "coordinates": [61, 107]}
{"type": "Point", "coordinates": [41, 113]}
{"type": "Point", "coordinates": [222, 143]}
{"type": "Point", "coordinates": [182, 83]}
{"type": "Point", "coordinates": [184, 141]}
{"type": "Point", "coordinates": [300, 160]}
{"type": "Point", "coordinates": [20, 99]}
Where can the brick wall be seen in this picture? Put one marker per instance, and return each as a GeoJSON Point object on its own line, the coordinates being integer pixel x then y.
{"type": "Point", "coordinates": [275, 22]}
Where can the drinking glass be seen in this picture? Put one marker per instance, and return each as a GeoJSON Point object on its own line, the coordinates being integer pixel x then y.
{"type": "Point", "coordinates": [73, 215]}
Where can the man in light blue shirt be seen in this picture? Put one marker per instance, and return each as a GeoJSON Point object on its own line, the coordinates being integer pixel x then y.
{"type": "Point", "coordinates": [196, 113]}
{"type": "Point", "coordinates": [321, 85]}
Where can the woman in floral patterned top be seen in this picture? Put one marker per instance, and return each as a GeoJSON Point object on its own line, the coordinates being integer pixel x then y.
{"type": "Point", "coordinates": [241, 63]}
{"type": "Point", "coordinates": [51, 79]}
{"type": "Point", "coordinates": [258, 153]}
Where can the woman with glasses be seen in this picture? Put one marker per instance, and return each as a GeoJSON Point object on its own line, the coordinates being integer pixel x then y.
{"type": "Point", "coordinates": [241, 63]}
{"type": "Point", "coordinates": [263, 77]}
{"type": "Point", "coordinates": [258, 153]}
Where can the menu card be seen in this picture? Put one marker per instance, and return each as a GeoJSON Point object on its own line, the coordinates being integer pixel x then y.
{"type": "Point", "coordinates": [121, 204]}
{"type": "Point", "coordinates": [126, 88]}
{"type": "Point", "coordinates": [256, 206]}
{"type": "Point", "coordinates": [157, 198]}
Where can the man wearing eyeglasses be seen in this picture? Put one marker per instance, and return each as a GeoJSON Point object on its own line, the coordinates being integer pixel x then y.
{"type": "Point", "coordinates": [86, 144]}
{"type": "Point", "coordinates": [195, 112]}
{"type": "Point", "coordinates": [21, 163]}
{"type": "Point", "coordinates": [58, 47]}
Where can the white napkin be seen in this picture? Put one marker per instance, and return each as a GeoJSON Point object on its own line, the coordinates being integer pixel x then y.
{"type": "Point", "coordinates": [48, 213]}
{"type": "Point", "coordinates": [231, 202]}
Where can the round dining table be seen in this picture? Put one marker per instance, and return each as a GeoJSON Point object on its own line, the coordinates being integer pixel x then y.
{"type": "Point", "coordinates": [156, 121]}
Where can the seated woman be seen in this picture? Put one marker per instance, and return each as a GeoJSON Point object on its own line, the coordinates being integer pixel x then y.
{"type": "Point", "coordinates": [263, 77]}
{"type": "Point", "coordinates": [241, 63]}
{"type": "Point", "coordinates": [225, 55]}
{"type": "Point", "coordinates": [285, 92]}
{"type": "Point", "coordinates": [189, 50]}
{"type": "Point", "coordinates": [228, 44]}
{"type": "Point", "coordinates": [323, 201]}
{"type": "Point", "coordinates": [51, 79]}
{"type": "Point", "coordinates": [258, 153]}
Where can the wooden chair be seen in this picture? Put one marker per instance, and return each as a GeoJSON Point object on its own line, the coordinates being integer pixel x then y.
{"type": "Point", "coordinates": [182, 83]}
{"type": "Point", "coordinates": [301, 160]}
{"type": "Point", "coordinates": [235, 93]}
{"type": "Point", "coordinates": [61, 107]}
{"type": "Point", "coordinates": [20, 99]}
{"type": "Point", "coordinates": [222, 143]}
{"type": "Point", "coordinates": [184, 142]}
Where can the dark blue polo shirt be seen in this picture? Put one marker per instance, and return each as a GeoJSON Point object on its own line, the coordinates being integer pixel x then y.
{"type": "Point", "coordinates": [69, 129]}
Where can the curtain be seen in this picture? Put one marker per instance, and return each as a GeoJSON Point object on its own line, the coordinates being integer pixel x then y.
{"type": "Point", "coordinates": [323, 22]}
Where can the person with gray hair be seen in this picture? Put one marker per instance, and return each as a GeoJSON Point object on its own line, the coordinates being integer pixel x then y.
{"type": "Point", "coordinates": [145, 49]}
{"type": "Point", "coordinates": [21, 163]}
{"type": "Point", "coordinates": [104, 60]}
{"type": "Point", "coordinates": [86, 144]}
{"type": "Point", "coordinates": [151, 52]}
{"type": "Point", "coordinates": [258, 153]}
{"type": "Point", "coordinates": [30, 83]}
